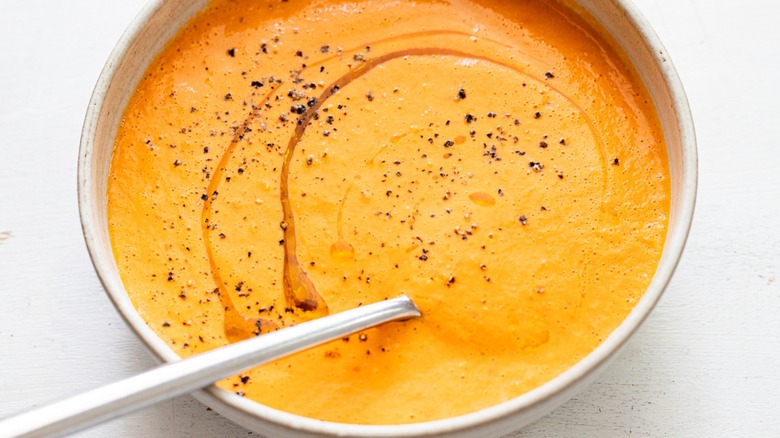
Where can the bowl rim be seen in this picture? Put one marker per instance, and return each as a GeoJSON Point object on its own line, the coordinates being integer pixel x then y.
{"type": "Point", "coordinates": [245, 409]}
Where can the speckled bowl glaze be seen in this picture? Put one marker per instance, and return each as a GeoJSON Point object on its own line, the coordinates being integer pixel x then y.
{"type": "Point", "coordinates": [160, 20]}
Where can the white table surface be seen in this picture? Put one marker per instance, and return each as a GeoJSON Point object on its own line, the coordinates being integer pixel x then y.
{"type": "Point", "coordinates": [706, 363]}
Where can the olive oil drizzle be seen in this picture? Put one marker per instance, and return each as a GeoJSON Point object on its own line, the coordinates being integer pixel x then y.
{"type": "Point", "coordinates": [237, 326]}
{"type": "Point", "coordinates": [342, 249]}
{"type": "Point", "coordinates": [300, 292]}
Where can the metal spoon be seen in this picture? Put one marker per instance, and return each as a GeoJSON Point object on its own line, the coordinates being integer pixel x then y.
{"type": "Point", "coordinates": [196, 372]}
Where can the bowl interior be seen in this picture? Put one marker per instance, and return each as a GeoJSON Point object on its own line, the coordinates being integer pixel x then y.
{"type": "Point", "coordinates": [160, 21]}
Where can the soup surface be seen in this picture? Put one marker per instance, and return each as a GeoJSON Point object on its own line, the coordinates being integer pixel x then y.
{"type": "Point", "coordinates": [498, 162]}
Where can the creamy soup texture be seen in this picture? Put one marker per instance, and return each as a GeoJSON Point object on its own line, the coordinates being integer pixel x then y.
{"type": "Point", "coordinates": [499, 162]}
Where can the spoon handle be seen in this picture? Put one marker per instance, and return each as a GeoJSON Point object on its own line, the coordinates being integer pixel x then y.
{"type": "Point", "coordinates": [196, 372]}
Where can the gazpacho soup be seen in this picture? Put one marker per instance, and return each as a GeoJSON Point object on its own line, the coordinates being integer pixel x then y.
{"type": "Point", "coordinates": [500, 162]}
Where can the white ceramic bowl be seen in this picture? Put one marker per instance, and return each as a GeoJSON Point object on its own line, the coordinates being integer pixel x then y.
{"type": "Point", "coordinates": [160, 21]}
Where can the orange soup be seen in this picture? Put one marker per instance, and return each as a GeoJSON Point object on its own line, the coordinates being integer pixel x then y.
{"type": "Point", "coordinates": [497, 161]}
